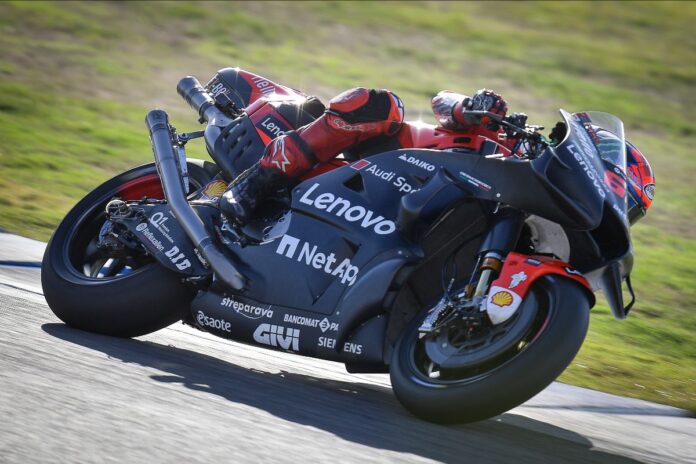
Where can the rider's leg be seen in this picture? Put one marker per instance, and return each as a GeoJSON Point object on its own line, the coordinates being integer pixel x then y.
{"type": "Point", "coordinates": [352, 117]}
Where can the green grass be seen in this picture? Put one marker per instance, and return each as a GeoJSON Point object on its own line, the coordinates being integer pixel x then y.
{"type": "Point", "coordinates": [76, 79]}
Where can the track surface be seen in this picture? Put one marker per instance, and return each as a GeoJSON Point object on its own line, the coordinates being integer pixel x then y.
{"type": "Point", "coordinates": [180, 394]}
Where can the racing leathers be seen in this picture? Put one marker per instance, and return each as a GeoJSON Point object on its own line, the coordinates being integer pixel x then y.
{"type": "Point", "coordinates": [351, 118]}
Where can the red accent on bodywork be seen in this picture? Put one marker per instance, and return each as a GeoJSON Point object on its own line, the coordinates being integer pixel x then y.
{"type": "Point", "coordinates": [438, 138]}
{"type": "Point", "coordinates": [535, 266]}
{"type": "Point", "coordinates": [145, 186]}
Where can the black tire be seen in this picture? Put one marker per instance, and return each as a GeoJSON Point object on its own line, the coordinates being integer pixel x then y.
{"type": "Point", "coordinates": [147, 299]}
{"type": "Point", "coordinates": [557, 337]}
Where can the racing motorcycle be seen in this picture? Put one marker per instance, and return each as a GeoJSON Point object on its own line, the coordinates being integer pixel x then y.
{"type": "Point", "coordinates": [466, 273]}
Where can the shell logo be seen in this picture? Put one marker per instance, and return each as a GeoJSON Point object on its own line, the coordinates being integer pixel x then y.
{"type": "Point", "coordinates": [215, 189]}
{"type": "Point", "coordinates": [502, 299]}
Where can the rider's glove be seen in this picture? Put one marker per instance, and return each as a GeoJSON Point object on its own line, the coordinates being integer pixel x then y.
{"type": "Point", "coordinates": [558, 133]}
{"type": "Point", "coordinates": [487, 100]}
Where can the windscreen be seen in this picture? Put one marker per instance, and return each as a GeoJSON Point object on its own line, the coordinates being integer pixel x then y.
{"type": "Point", "coordinates": [602, 134]}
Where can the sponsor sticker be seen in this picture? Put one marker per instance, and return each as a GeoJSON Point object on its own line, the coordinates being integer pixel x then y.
{"type": "Point", "coordinates": [264, 86]}
{"type": "Point", "coordinates": [147, 233]}
{"type": "Point", "coordinates": [417, 162]}
{"type": "Point", "coordinates": [501, 304]}
{"type": "Point", "coordinates": [177, 258]}
{"type": "Point", "coordinates": [247, 310]}
{"type": "Point", "coordinates": [158, 221]}
{"type": "Point", "coordinates": [502, 298]}
{"type": "Point", "coordinates": [390, 176]}
{"type": "Point", "coordinates": [273, 127]}
{"type": "Point", "coordinates": [340, 207]}
{"type": "Point", "coordinates": [358, 165]}
{"type": "Point", "coordinates": [219, 324]}
{"type": "Point", "coordinates": [326, 342]}
{"type": "Point", "coordinates": [286, 338]}
{"type": "Point", "coordinates": [310, 256]}
{"type": "Point", "coordinates": [479, 184]}
{"type": "Point", "coordinates": [323, 324]}
{"type": "Point", "coordinates": [352, 348]}
{"type": "Point", "coordinates": [215, 189]}
{"type": "Point", "coordinates": [518, 278]}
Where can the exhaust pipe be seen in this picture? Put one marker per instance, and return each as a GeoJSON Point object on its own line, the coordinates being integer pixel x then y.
{"type": "Point", "coordinates": [163, 148]}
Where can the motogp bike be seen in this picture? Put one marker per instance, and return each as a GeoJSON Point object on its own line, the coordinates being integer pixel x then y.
{"type": "Point", "coordinates": [466, 273]}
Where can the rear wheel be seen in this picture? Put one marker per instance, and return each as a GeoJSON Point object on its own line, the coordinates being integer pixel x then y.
{"type": "Point", "coordinates": [456, 377]}
{"type": "Point", "coordinates": [125, 294]}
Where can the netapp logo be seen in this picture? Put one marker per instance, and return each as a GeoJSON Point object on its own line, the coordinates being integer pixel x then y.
{"type": "Point", "coordinates": [342, 208]}
{"type": "Point", "coordinates": [276, 335]}
{"type": "Point", "coordinates": [311, 257]}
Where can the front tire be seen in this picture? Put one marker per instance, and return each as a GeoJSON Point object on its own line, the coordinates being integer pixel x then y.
{"type": "Point", "coordinates": [142, 296]}
{"type": "Point", "coordinates": [496, 387]}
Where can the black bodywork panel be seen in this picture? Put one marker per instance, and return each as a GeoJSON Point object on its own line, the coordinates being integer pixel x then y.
{"type": "Point", "coordinates": [356, 234]}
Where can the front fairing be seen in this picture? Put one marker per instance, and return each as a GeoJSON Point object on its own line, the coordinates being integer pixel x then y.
{"type": "Point", "coordinates": [598, 189]}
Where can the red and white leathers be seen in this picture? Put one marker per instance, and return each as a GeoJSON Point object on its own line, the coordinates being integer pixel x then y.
{"type": "Point", "coordinates": [351, 118]}
{"type": "Point", "coordinates": [359, 114]}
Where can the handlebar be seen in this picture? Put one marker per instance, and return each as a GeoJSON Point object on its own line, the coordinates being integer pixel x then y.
{"type": "Point", "coordinates": [530, 131]}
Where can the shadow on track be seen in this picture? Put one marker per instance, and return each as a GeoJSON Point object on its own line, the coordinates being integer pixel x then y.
{"type": "Point", "coordinates": [364, 414]}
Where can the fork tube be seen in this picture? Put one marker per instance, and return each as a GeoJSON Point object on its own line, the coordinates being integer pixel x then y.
{"type": "Point", "coordinates": [500, 240]}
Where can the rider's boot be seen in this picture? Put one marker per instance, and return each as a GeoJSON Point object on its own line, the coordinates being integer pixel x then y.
{"type": "Point", "coordinates": [352, 117]}
{"type": "Point", "coordinates": [249, 189]}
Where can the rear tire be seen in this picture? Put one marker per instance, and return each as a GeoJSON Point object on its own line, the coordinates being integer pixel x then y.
{"type": "Point", "coordinates": [517, 378]}
{"type": "Point", "coordinates": [141, 301]}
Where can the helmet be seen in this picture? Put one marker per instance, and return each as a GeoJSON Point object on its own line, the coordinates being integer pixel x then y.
{"type": "Point", "coordinates": [639, 175]}
{"type": "Point", "coordinates": [641, 183]}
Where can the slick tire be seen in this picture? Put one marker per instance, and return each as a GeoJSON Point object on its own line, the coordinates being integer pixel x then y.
{"type": "Point", "coordinates": [509, 384]}
{"type": "Point", "coordinates": [143, 301]}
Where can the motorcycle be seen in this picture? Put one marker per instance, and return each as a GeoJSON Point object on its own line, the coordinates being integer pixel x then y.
{"type": "Point", "coordinates": [463, 271]}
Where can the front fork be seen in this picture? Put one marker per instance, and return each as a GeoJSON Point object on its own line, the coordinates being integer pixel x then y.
{"type": "Point", "coordinates": [501, 239]}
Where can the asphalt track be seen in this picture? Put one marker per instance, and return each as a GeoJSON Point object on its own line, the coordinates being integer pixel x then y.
{"type": "Point", "coordinates": [183, 395]}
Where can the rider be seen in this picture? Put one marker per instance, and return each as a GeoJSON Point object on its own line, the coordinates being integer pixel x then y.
{"type": "Point", "coordinates": [360, 114]}
{"type": "Point", "coordinates": [352, 117]}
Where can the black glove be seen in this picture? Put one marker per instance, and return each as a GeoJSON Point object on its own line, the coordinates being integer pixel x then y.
{"type": "Point", "coordinates": [558, 133]}
{"type": "Point", "coordinates": [517, 120]}
{"type": "Point", "coordinates": [487, 100]}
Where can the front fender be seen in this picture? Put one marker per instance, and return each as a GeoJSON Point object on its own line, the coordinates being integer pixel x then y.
{"type": "Point", "coordinates": [516, 278]}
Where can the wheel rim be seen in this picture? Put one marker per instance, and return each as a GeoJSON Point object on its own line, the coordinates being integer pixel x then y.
{"type": "Point", "coordinates": [478, 356]}
{"type": "Point", "coordinates": [80, 250]}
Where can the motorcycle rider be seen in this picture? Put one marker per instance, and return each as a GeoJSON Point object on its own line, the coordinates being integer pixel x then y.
{"type": "Point", "coordinates": [351, 118]}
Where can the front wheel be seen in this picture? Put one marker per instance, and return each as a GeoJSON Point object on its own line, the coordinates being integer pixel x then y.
{"type": "Point", "coordinates": [472, 384]}
{"type": "Point", "coordinates": [124, 295]}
